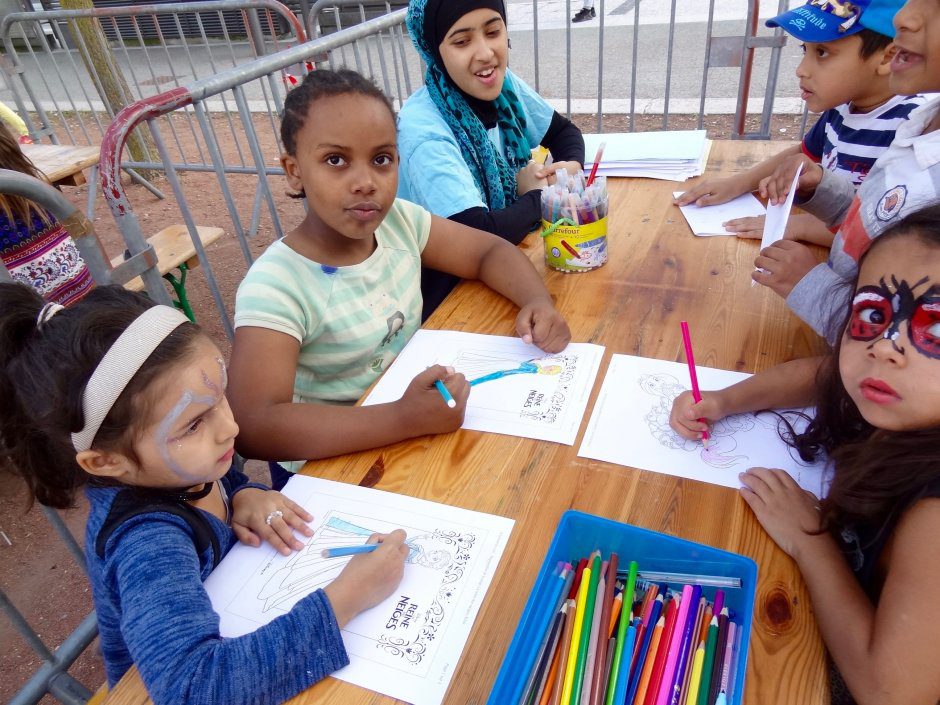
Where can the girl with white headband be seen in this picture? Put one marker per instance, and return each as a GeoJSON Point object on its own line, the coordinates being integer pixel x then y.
{"type": "Point", "coordinates": [127, 398]}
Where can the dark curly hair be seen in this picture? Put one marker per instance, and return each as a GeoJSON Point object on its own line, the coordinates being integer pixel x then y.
{"type": "Point", "coordinates": [875, 469]}
{"type": "Point", "coordinates": [322, 83]}
{"type": "Point", "coordinates": [43, 374]}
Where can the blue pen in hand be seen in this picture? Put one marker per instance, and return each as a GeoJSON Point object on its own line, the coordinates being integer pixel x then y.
{"type": "Point", "coordinates": [444, 393]}
{"type": "Point", "coordinates": [349, 550]}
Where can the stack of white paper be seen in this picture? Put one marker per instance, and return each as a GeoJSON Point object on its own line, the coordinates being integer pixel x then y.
{"type": "Point", "coordinates": [672, 155]}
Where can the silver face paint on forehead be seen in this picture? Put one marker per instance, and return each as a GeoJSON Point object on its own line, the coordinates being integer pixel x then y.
{"type": "Point", "coordinates": [162, 434]}
{"type": "Point", "coordinates": [223, 377]}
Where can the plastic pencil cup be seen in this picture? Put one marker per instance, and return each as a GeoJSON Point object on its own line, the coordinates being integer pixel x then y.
{"type": "Point", "coordinates": [577, 247]}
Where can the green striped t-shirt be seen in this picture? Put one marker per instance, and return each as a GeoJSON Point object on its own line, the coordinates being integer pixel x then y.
{"type": "Point", "coordinates": [351, 322]}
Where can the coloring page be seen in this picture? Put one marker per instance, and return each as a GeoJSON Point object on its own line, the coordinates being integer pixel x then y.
{"type": "Point", "coordinates": [630, 426]}
{"type": "Point", "coordinates": [408, 646]}
{"type": "Point", "coordinates": [517, 389]}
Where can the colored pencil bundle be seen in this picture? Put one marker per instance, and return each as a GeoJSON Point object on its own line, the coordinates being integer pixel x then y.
{"type": "Point", "coordinates": [611, 638]}
{"type": "Point", "coordinates": [570, 197]}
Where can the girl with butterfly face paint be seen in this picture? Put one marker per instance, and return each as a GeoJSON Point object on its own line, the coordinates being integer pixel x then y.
{"type": "Point", "coordinates": [868, 551]}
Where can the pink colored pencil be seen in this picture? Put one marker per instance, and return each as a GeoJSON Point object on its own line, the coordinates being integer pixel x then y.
{"type": "Point", "coordinates": [597, 161]}
{"type": "Point", "coordinates": [672, 656]}
{"type": "Point", "coordinates": [690, 359]}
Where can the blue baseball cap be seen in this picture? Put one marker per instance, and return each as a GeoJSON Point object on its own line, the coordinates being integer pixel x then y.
{"type": "Point", "coordinates": [827, 20]}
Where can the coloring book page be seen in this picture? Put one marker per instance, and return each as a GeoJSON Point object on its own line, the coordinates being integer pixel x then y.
{"type": "Point", "coordinates": [408, 646]}
{"type": "Point", "coordinates": [517, 389]}
{"type": "Point", "coordinates": [708, 221]}
{"type": "Point", "coordinates": [630, 426]}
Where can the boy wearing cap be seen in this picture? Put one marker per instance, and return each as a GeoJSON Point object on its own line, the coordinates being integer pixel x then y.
{"type": "Point", "coordinates": [904, 179]}
{"type": "Point", "coordinates": [847, 51]}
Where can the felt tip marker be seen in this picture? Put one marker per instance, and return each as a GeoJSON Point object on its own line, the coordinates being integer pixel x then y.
{"type": "Point", "coordinates": [341, 551]}
{"type": "Point", "coordinates": [444, 393]}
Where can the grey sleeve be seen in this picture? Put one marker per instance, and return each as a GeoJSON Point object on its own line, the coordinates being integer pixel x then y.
{"type": "Point", "coordinates": [831, 199]}
{"type": "Point", "coordinates": [820, 299]}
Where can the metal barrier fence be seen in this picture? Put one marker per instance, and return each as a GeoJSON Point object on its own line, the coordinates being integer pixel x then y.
{"type": "Point", "coordinates": [70, 71]}
{"type": "Point", "coordinates": [629, 73]}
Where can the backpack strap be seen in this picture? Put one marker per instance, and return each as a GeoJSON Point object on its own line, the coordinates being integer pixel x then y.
{"type": "Point", "coordinates": [129, 504]}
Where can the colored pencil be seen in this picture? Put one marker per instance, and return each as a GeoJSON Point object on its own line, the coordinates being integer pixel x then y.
{"type": "Point", "coordinates": [611, 646]}
{"type": "Point", "coordinates": [444, 393]}
{"type": "Point", "coordinates": [720, 646]}
{"type": "Point", "coordinates": [690, 359]}
{"type": "Point", "coordinates": [649, 665]}
{"type": "Point", "coordinates": [686, 647]}
{"type": "Point", "coordinates": [671, 672]}
{"type": "Point", "coordinates": [572, 663]}
{"type": "Point", "coordinates": [646, 647]}
{"type": "Point", "coordinates": [625, 612]}
{"type": "Point", "coordinates": [623, 673]}
{"type": "Point", "coordinates": [690, 653]}
{"type": "Point", "coordinates": [645, 623]}
{"type": "Point", "coordinates": [615, 612]}
{"type": "Point", "coordinates": [736, 655]}
{"type": "Point", "coordinates": [719, 602]}
{"type": "Point", "coordinates": [585, 635]}
{"type": "Point", "coordinates": [597, 162]}
{"type": "Point", "coordinates": [544, 659]}
{"type": "Point", "coordinates": [576, 585]}
{"type": "Point", "coordinates": [664, 641]}
{"type": "Point", "coordinates": [696, 679]}
{"type": "Point", "coordinates": [340, 551]}
{"type": "Point", "coordinates": [599, 682]}
{"type": "Point", "coordinates": [704, 622]}
{"type": "Point", "coordinates": [556, 599]}
{"type": "Point", "coordinates": [726, 660]}
{"type": "Point", "coordinates": [564, 648]}
{"type": "Point", "coordinates": [707, 663]}
{"type": "Point", "coordinates": [545, 688]}
{"type": "Point", "coordinates": [594, 640]}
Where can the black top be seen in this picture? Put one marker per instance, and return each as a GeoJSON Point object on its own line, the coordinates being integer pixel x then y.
{"type": "Point", "coordinates": [565, 143]}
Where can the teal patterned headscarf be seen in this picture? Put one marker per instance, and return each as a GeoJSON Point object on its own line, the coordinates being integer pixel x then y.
{"type": "Point", "coordinates": [494, 173]}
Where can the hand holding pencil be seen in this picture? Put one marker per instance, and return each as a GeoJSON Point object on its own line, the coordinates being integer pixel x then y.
{"type": "Point", "coordinates": [690, 418]}
{"type": "Point", "coordinates": [428, 409]}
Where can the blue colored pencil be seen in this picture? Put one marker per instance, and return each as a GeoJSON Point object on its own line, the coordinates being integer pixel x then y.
{"type": "Point", "coordinates": [644, 647]}
{"type": "Point", "coordinates": [623, 674]}
{"type": "Point", "coordinates": [444, 393]}
{"type": "Point", "coordinates": [341, 551]}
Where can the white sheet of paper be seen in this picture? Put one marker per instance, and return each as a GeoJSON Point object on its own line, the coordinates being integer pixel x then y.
{"type": "Point", "coordinates": [707, 220]}
{"type": "Point", "coordinates": [546, 402]}
{"type": "Point", "coordinates": [408, 646]}
{"type": "Point", "coordinates": [630, 426]}
{"type": "Point", "coordinates": [775, 224]}
{"type": "Point", "coordinates": [653, 146]}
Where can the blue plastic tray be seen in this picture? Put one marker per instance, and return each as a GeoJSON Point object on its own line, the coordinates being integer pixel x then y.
{"type": "Point", "coordinates": [578, 534]}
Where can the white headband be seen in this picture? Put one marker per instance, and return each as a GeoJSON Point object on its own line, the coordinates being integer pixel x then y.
{"type": "Point", "coordinates": [119, 365]}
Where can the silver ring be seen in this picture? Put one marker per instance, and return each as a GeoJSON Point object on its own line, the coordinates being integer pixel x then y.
{"type": "Point", "coordinates": [276, 514]}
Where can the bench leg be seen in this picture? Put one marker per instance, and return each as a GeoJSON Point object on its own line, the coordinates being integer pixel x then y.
{"type": "Point", "coordinates": [179, 288]}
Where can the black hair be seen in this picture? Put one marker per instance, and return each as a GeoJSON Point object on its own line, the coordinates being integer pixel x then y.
{"type": "Point", "coordinates": [875, 469]}
{"type": "Point", "coordinates": [872, 42]}
{"type": "Point", "coordinates": [322, 83]}
{"type": "Point", "coordinates": [43, 374]}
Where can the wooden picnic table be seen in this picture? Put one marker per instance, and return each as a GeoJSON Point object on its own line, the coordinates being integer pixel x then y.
{"type": "Point", "coordinates": [658, 274]}
{"type": "Point", "coordinates": [63, 164]}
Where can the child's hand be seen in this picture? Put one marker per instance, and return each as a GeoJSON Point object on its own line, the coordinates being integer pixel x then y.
{"type": "Point", "coordinates": [529, 178]}
{"type": "Point", "coordinates": [776, 186]}
{"type": "Point", "coordinates": [251, 509]}
{"type": "Point", "coordinates": [539, 322]}
{"type": "Point", "coordinates": [711, 191]}
{"type": "Point", "coordinates": [425, 408]}
{"type": "Point", "coordinates": [800, 226]}
{"type": "Point", "coordinates": [369, 577]}
{"type": "Point", "coordinates": [685, 414]}
{"type": "Point", "coordinates": [548, 172]}
{"type": "Point", "coordinates": [786, 511]}
{"type": "Point", "coordinates": [784, 263]}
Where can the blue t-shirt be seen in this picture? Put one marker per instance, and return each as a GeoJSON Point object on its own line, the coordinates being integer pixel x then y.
{"type": "Point", "coordinates": [432, 171]}
{"type": "Point", "coordinates": [851, 142]}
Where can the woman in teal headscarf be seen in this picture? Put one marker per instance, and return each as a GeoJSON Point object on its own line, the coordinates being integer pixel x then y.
{"type": "Point", "coordinates": [465, 138]}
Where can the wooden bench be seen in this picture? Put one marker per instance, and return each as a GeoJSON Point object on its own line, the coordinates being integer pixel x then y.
{"type": "Point", "coordinates": [174, 249]}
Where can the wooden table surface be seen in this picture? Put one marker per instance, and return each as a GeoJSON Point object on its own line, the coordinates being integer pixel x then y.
{"type": "Point", "coordinates": [62, 163]}
{"type": "Point", "coordinates": [658, 274]}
